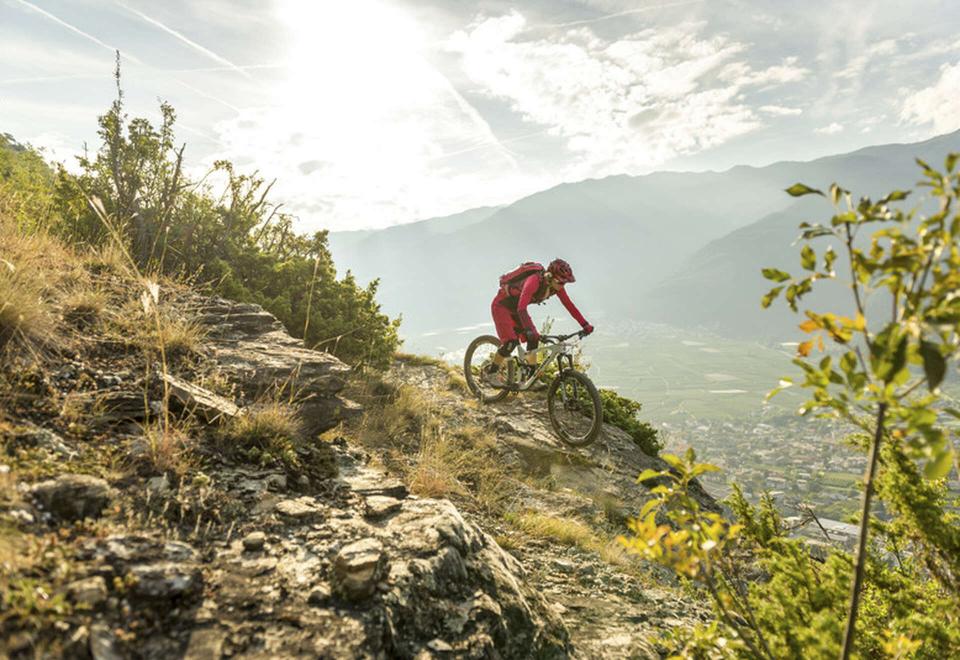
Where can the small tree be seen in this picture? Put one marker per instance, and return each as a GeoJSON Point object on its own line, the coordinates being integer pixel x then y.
{"type": "Point", "coordinates": [883, 379]}
{"type": "Point", "coordinates": [915, 262]}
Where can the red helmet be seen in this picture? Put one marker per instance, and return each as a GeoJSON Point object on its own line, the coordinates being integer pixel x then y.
{"type": "Point", "coordinates": [561, 270]}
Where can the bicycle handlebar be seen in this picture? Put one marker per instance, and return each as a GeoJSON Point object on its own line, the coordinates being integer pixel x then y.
{"type": "Point", "coordinates": [556, 339]}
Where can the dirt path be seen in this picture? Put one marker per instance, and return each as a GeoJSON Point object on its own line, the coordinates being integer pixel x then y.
{"type": "Point", "coordinates": [612, 610]}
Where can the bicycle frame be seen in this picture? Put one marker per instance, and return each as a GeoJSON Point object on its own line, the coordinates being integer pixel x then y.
{"type": "Point", "coordinates": [560, 351]}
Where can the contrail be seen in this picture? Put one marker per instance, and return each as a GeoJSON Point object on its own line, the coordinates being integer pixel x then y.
{"type": "Point", "coordinates": [204, 94]}
{"type": "Point", "coordinates": [476, 118]}
{"type": "Point", "coordinates": [206, 51]}
{"type": "Point", "coordinates": [487, 145]}
{"type": "Point", "coordinates": [618, 14]}
{"type": "Point", "coordinates": [39, 79]}
{"type": "Point", "coordinates": [77, 30]}
{"type": "Point", "coordinates": [214, 69]}
{"type": "Point", "coordinates": [132, 58]}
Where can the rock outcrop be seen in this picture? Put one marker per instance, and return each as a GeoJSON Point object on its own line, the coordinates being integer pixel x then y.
{"type": "Point", "coordinates": [253, 350]}
{"type": "Point", "coordinates": [606, 469]}
{"type": "Point", "coordinates": [72, 497]}
{"type": "Point", "coordinates": [335, 583]}
{"type": "Point", "coordinates": [220, 558]}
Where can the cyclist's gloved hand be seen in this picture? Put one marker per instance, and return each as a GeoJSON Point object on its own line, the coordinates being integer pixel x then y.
{"type": "Point", "coordinates": [587, 328]}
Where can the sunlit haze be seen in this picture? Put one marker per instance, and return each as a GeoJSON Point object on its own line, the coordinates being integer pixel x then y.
{"type": "Point", "coordinates": [371, 113]}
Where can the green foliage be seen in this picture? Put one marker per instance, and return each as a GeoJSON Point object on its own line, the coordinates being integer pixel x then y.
{"type": "Point", "coordinates": [771, 597]}
{"type": "Point", "coordinates": [26, 186]}
{"type": "Point", "coordinates": [882, 378]}
{"type": "Point", "coordinates": [622, 413]}
{"type": "Point", "coordinates": [235, 239]}
{"type": "Point", "coordinates": [884, 375]}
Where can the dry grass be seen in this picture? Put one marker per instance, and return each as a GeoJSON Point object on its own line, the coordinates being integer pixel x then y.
{"type": "Point", "coordinates": [168, 449]}
{"type": "Point", "coordinates": [565, 531]}
{"type": "Point", "coordinates": [459, 461]}
{"type": "Point", "coordinates": [156, 329]}
{"type": "Point", "coordinates": [108, 259]}
{"type": "Point", "coordinates": [32, 267]}
{"type": "Point", "coordinates": [570, 532]}
{"type": "Point", "coordinates": [24, 314]}
{"type": "Point", "coordinates": [507, 542]}
{"type": "Point", "coordinates": [395, 417]}
{"type": "Point", "coordinates": [83, 307]}
{"type": "Point", "coordinates": [46, 291]}
{"type": "Point", "coordinates": [435, 454]}
{"type": "Point", "coordinates": [266, 432]}
{"type": "Point", "coordinates": [178, 336]}
{"type": "Point", "coordinates": [614, 553]}
{"type": "Point", "coordinates": [435, 470]}
{"type": "Point", "coordinates": [457, 383]}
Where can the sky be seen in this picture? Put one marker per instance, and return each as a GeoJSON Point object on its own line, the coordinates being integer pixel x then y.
{"type": "Point", "coordinates": [371, 113]}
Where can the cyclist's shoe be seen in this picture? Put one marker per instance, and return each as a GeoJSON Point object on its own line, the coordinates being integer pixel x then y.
{"type": "Point", "coordinates": [493, 376]}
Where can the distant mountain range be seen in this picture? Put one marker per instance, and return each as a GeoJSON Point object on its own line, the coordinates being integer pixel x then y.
{"type": "Point", "coordinates": [685, 248]}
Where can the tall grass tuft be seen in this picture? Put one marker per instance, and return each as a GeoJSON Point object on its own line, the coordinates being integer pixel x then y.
{"type": "Point", "coordinates": [265, 433]}
{"type": "Point", "coordinates": [34, 270]}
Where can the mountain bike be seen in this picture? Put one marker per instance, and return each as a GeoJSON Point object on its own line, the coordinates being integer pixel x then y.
{"type": "Point", "coordinates": [573, 403]}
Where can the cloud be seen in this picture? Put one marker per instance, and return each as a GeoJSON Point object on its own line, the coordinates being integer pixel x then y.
{"type": "Point", "coordinates": [937, 105]}
{"type": "Point", "coordinates": [311, 166]}
{"type": "Point", "coordinates": [362, 130]}
{"type": "Point", "coordinates": [743, 75]}
{"type": "Point", "coordinates": [830, 129]}
{"type": "Point", "coordinates": [872, 55]}
{"type": "Point", "coordinates": [57, 148]}
{"type": "Point", "coordinates": [625, 104]}
{"type": "Point", "coordinates": [780, 111]}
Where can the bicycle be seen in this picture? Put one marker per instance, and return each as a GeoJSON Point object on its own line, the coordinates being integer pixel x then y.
{"type": "Point", "coordinates": [573, 403]}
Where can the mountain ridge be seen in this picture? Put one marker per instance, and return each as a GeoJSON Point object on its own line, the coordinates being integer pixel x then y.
{"type": "Point", "coordinates": [625, 235]}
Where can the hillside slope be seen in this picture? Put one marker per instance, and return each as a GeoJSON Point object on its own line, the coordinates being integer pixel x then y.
{"type": "Point", "coordinates": [180, 503]}
{"type": "Point", "coordinates": [191, 511]}
{"type": "Point", "coordinates": [557, 509]}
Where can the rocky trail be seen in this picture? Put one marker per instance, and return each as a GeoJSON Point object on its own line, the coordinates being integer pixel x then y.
{"type": "Point", "coordinates": [110, 553]}
{"type": "Point", "coordinates": [611, 610]}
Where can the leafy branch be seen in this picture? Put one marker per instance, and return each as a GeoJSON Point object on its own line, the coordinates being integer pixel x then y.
{"type": "Point", "coordinates": [914, 263]}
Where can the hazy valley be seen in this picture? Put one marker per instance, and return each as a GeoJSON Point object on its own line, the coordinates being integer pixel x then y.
{"type": "Point", "coordinates": [669, 270]}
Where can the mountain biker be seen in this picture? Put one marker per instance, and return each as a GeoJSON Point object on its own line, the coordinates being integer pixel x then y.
{"type": "Point", "coordinates": [529, 283]}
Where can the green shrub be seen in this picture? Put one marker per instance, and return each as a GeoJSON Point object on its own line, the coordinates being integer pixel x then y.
{"type": "Point", "coordinates": [236, 239]}
{"type": "Point", "coordinates": [882, 378]}
{"type": "Point", "coordinates": [622, 413]}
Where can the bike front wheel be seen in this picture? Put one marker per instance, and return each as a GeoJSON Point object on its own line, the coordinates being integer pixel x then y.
{"type": "Point", "coordinates": [576, 413]}
{"type": "Point", "coordinates": [479, 355]}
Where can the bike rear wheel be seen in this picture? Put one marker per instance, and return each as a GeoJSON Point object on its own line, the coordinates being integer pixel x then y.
{"type": "Point", "coordinates": [479, 355]}
{"type": "Point", "coordinates": [576, 413]}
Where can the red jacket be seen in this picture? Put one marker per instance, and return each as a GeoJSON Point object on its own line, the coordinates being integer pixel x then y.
{"type": "Point", "coordinates": [535, 290]}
